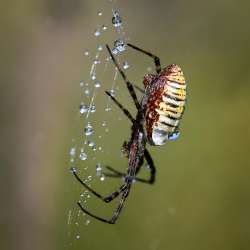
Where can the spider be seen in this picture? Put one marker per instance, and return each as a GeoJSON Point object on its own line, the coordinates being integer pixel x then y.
{"type": "Point", "coordinates": [157, 121]}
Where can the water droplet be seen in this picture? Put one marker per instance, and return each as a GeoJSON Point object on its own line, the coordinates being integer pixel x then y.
{"type": "Point", "coordinates": [83, 108]}
{"type": "Point", "coordinates": [87, 222]}
{"type": "Point", "coordinates": [93, 76]}
{"type": "Point", "coordinates": [93, 108]}
{"type": "Point", "coordinates": [98, 169]}
{"type": "Point", "coordinates": [81, 83]}
{"type": "Point", "coordinates": [99, 47]}
{"type": "Point", "coordinates": [73, 170]}
{"type": "Point", "coordinates": [97, 32]}
{"type": "Point", "coordinates": [99, 13]}
{"type": "Point", "coordinates": [96, 61]}
{"type": "Point", "coordinates": [100, 148]}
{"type": "Point", "coordinates": [119, 46]}
{"type": "Point", "coordinates": [92, 145]}
{"type": "Point", "coordinates": [97, 84]}
{"type": "Point", "coordinates": [89, 177]}
{"type": "Point", "coordinates": [174, 136]}
{"type": "Point", "coordinates": [72, 152]}
{"type": "Point", "coordinates": [82, 155]}
{"type": "Point", "coordinates": [88, 130]}
{"type": "Point", "coordinates": [112, 92]}
{"type": "Point", "coordinates": [104, 123]}
{"type": "Point", "coordinates": [116, 19]}
{"type": "Point", "coordinates": [114, 51]}
{"type": "Point", "coordinates": [104, 27]}
{"type": "Point", "coordinates": [125, 65]}
{"type": "Point", "coordinates": [86, 52]}
{"type": "Point", "coordinates": [77, 236]}
{"type": "Point", "coordinates": [107, 109]}
{"type": "Point", "coordinates": [86, 91]}
{"type": "Point", "coordinates": [102, 178]}
{"type": "Point", "coordinates": [88, 196]}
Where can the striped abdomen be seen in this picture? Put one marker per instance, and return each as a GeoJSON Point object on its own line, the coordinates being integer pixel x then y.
{"type": "Point", "coordinates": [164, 104]}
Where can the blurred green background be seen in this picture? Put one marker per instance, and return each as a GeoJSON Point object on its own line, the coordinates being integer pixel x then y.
{"type": "Point", "coordinates": [201, 196]}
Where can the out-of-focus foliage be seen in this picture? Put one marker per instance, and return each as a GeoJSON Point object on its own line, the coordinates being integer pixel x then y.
{"type": "Point", "coordinates": [201, 197]}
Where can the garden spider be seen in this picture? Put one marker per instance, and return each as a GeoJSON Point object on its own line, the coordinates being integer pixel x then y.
{"type": "Point", "coordinates": [157, 120]}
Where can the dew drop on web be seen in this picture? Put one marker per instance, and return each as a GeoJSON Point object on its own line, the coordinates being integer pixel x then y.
{"type": "Point", "coordinates": [83, 155]}
{"type": "Point", "coordinates": [88, 130]}
{"type": "Point", "coordinates": [125, 65]}
{"type": "Point", "coordinates": [97, 32]}
{"type": "Point", "coordinates": [97, 84]}
{"type": "Point", "coordinates": [104, 27]}
{"type": "Point", "coordinates": [86, 52]}
{"type": "Point", "coordinates": [98, 169]}
{"type": "Point", "coordinates": [87, 222]}
{"type": "Point", "coordinates": [83, 108]}
{"type": "Point", "coordinates": [116, 19]}
{"type": "Point", "coordinates": [86, 152]}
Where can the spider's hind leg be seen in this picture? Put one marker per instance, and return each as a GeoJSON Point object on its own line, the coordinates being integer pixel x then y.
{"type": "Point", "coordinates": [117, 174]}
{"type": "Point", "coordinates": [106, 199]}
{"type": "Point", "coordinates": [124, 110]}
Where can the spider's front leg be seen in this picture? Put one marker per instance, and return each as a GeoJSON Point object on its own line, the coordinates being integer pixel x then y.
{"type": "Point", "coordinates": [155, 58]}
{"type": "Point", "coordinates": [127, 82]}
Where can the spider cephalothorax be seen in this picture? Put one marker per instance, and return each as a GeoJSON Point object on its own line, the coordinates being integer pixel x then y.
{"type": "Point", "coordinates": [157, 120]}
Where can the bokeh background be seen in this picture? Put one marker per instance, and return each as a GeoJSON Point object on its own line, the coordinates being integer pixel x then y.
{"type": "Point", "coordinates": [201, 197]}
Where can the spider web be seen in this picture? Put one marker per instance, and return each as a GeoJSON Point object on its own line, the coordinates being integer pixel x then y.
{"type": "Point", "coordinates": [87, 149]}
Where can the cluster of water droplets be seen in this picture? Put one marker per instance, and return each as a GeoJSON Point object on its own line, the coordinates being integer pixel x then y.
{"type": "Point", "coordinates": [118, 48]}
{"type": "Point", "coordinates": [83, 151]}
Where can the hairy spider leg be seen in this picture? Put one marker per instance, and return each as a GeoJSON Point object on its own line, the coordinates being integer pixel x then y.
{"type": "Point", "coordinates": [147, 154]}
{"type": "Point", "coordinates": [156, 58]}
{"type": "Point", "coordinates": [128, 182]}
{"type": "Point", "coordinates": [116, 213]}
{"type": "Point", "coordinates": [128, 83]}
{"type": "Point", "coordinates": [133, 162]}
{"type": "Point", "coordinates": [151, 180]}
{"type": "Point", "coordinates": [124, 189]}
{"type": "Point", "coordinates": [124, 110]}
{"type": "Point", "coordinates": [106, 199]}
{"type": "Point", "coordinates": [115, 194]}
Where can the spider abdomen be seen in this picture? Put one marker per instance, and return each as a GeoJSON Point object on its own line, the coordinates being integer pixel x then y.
{"type": "Point", "coordinates": [164, 104]}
